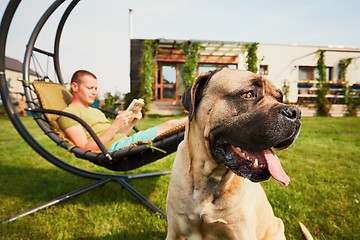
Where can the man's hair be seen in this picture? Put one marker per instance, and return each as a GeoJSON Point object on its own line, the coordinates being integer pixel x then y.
{"type": "Point", "coordinates": [79, 73]}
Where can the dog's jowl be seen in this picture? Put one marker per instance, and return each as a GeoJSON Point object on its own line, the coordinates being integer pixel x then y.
{"type": "Point", "coordinates": [236, 119]}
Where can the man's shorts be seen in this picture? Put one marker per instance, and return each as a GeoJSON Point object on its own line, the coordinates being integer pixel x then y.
{"type": "Point", "coordinates": [145, 135]}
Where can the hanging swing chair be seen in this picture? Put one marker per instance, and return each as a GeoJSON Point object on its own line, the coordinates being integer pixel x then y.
{"type": "Point", "coordinates": [45, 100]}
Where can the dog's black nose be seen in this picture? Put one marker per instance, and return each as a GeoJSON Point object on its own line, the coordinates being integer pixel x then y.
{"type": "Point", "coordinates": [291, 112]}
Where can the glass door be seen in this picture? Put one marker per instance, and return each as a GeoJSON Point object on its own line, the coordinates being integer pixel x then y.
{"type": "Point", "coordinates": [167, 84]}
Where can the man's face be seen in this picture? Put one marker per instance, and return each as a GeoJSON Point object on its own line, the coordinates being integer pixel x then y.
{"type": "Point", "coordinates": [86, 89]}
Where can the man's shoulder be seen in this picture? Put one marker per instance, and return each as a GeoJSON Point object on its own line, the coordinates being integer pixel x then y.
{"type": "Point", "coordinates": [76, 109]}
{"type": "Point", "coordinates": [72, 109]}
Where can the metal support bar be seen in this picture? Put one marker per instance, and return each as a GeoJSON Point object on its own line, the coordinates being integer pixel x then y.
{"type": "Point", "coordinates": [43, 52]}
{"type": "Point", "coordinates": [140, 197]}
{"type": "Point", "coordinates": [59, 199]}
{"type": "Point", "coordinates": [149, 174]}
{"type": "Point", "coordinates": [120, 179]}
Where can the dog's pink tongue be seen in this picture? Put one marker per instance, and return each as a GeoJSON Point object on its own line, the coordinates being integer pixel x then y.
{"type": "Point", "coordinates": [275, 168]}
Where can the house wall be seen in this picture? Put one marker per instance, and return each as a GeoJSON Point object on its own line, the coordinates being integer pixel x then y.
{"type": "Point", "coordinates": [284, 60]}
{"type": "Point", "coordinates": [136, 52]}
{"type": "Point", "coordinates": [15, 85]}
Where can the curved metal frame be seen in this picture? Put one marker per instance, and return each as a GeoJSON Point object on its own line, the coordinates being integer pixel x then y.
{"type": "Point", "coordinates": [10, 109]}
{"type": "Point", "coordinates": [101, 178]}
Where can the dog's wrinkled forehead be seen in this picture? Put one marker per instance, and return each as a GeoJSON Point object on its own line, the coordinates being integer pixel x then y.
{"type": "Point", "coordinates": [224, 81]}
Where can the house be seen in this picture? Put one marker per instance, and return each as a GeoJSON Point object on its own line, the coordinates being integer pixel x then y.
{"type": "Point", "coordinates": [284, 64]}
{"type": "Point", "coordinates": [13, 74]}
{"type": "Point", "coordinates": [296, 64]}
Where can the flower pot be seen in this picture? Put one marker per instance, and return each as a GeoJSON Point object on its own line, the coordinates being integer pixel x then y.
{"type": "Point", "coordinates": [304, 85]}
{"type": "Point", "coordinates": [355, 87]}
{"type": "Point", "coordinates": [331, 86]}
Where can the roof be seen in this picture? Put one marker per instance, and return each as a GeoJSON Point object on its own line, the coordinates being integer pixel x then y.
{"type": "Point", "coordinates": [222, 48]}
{"type": "Point", "coordinates": [232, 48]}
{"type": "Point", "coordinates": [210, 48]}
{"type": "Point", "coordinates": [15, 65]}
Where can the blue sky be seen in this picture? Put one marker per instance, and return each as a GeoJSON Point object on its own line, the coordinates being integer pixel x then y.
{"type": "Point", "coordinates": [96, 35]}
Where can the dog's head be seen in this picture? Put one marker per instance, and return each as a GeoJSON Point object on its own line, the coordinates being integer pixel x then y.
{"type": "Point", "coordinates": [242, 117]}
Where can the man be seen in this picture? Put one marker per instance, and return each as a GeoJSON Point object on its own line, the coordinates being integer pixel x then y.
{"type": "Point", "coordinates": [114, 136]}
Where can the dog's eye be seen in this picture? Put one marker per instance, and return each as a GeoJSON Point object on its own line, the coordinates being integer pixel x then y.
{"type": "Point", "coordinates": [249, 94]}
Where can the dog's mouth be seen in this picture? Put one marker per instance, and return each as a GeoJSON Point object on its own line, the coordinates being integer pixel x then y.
{"type": "Point", "coordinates": [257, 166]}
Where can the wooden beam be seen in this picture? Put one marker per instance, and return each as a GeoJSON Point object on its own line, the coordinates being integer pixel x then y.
{"type": "Point", "coordinates": [203, 59]}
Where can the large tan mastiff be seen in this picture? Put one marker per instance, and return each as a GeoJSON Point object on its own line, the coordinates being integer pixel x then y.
{"type": "Point", "coordinates": [235, 119]}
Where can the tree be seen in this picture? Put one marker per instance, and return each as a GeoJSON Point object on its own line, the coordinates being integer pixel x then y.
{"type": "Point", "coordinates": [352, 100]}
{"type": "Point", "coordinates": [110, 103]}
{"type": "Point", "coordinates": [148, 71]}
{"type": "Point", "coordinates": [251, 57]}
{"type": "Point", "coordinates": [191, 52]}
{"type": "Point", "coordinates": [323, 104]}
{"type": "Point", "coordinates": [343, 64]}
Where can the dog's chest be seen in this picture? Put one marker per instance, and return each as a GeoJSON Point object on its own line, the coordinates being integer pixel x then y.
{"type": "Point", "coordinates": [213, 209]}
{"type": "Point", "coordinates": [209, 220]}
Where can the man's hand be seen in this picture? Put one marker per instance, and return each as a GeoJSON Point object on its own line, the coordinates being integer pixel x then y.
{"type": "Point", "coordinates": [137, 116]}
{"type": "Point", "coordinates": [122, 119]}
{"type": "Point", "coordinates": [125, 121]}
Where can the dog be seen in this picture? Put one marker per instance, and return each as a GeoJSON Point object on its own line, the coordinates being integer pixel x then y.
{"type": "Point", "coordinates": [235, 119]}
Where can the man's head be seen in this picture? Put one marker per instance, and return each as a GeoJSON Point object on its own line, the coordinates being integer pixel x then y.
{"type": "Point", "coordinates": [84, 87]}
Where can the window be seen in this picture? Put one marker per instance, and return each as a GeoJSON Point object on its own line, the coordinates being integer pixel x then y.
{"type": "Point", "coordinates": [169, 81]}
{"type": "Point", "coordinates": [169, 85]}
{"type": "Point", "coordinates": [306, 73]}
{"type": "Point", "coordinates": [166, 86]}
{"type": "Point", "coordinates": [328, 73]}
{"type": "Point", "coordinates": [263, 70]}
{"type": "Point", "coordinates": [310, 74]}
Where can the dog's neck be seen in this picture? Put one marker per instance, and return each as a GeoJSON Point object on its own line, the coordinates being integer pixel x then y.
{"type": "Point", "coordinates": [207, 173]}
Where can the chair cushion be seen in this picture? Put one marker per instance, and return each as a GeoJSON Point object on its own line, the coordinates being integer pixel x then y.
{"type": "Point", "coordinates": [53, 96]}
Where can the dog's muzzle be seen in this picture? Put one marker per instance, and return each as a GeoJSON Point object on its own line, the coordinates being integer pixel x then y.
{"type": "Point", "coordinates": [258, 165]}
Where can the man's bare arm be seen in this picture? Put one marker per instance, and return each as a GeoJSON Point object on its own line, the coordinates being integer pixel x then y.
{"type": "Point", "coordinates": [120, 125]}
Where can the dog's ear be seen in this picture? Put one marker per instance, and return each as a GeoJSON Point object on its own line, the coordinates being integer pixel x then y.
{"type": "Point", "coordinates": [193, 95]}
{"type": "Point", "coordinates": [186, 101]}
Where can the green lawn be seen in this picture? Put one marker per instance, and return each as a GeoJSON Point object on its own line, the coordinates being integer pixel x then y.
{"type": "Point", "coordinates": [323, 164]}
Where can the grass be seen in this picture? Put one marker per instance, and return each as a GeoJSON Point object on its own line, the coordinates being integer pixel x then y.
{"type": "Point", "coordinates": [323, 164]}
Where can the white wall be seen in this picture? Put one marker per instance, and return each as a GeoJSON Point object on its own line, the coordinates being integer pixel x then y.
{"type": "Point", "coordinates": [283, 62]}
{"type": "Point", "coordinates": [15, 86]}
